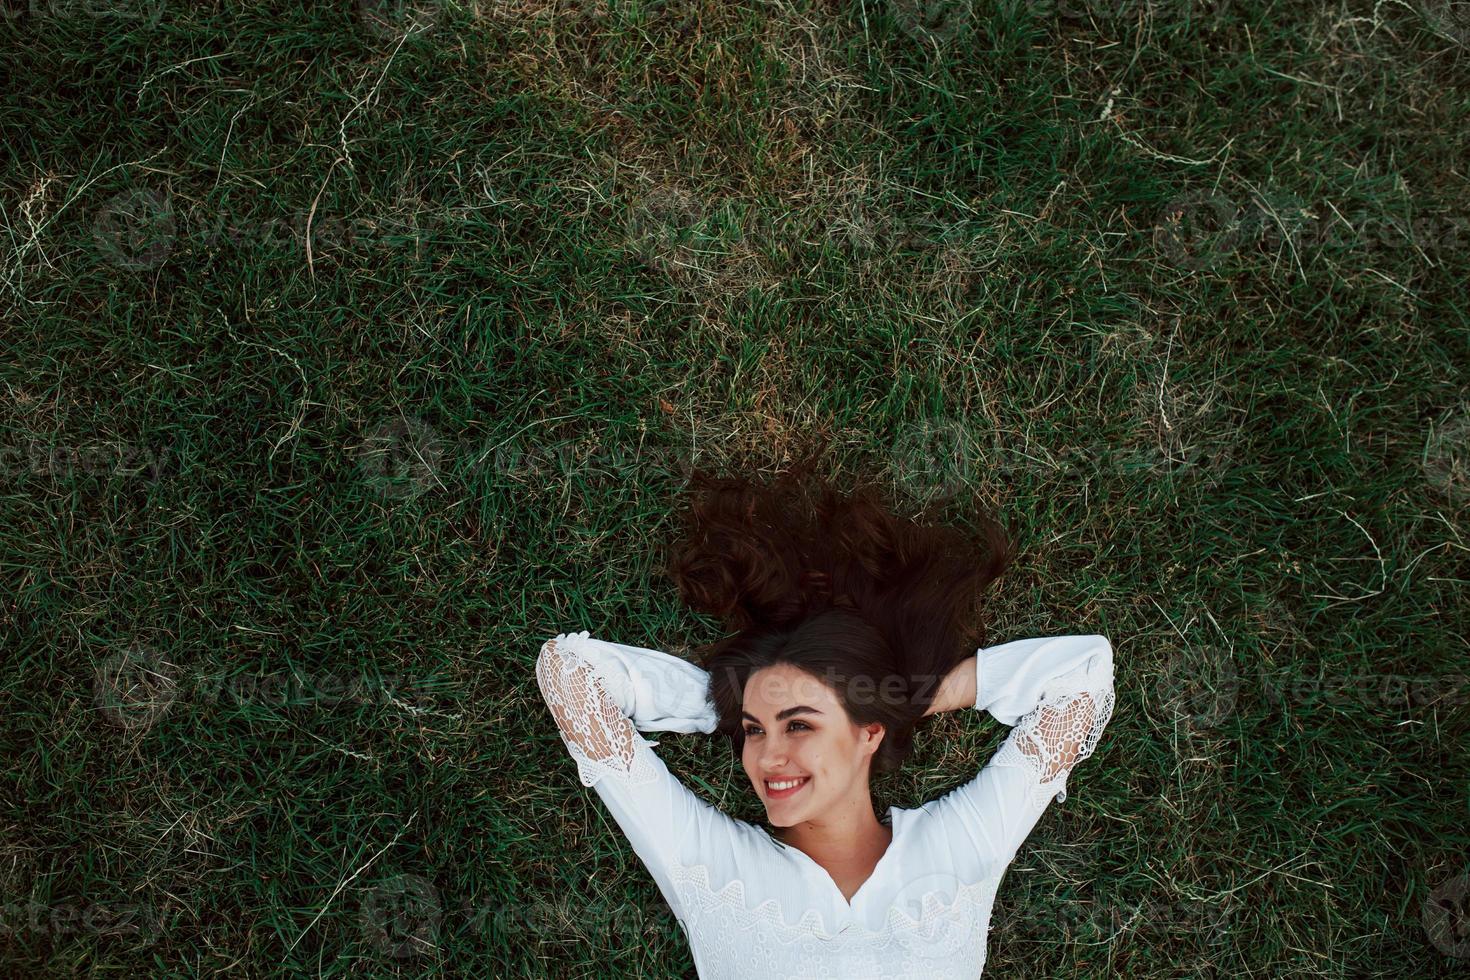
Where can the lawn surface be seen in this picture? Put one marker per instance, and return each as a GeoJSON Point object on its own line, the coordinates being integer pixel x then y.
{"type": "Point", "coordinates": [351, 350]}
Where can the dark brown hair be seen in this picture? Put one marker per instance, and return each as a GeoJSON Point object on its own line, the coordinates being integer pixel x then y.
{"type": "Point", "coordinates": [877, 606]}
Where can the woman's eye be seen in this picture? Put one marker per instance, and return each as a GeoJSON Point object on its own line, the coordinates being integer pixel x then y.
{"type": "Point", "coordinates": [756, 731]}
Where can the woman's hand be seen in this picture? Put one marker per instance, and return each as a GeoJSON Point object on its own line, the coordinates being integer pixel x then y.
{"type": "Point", "coordinates": [957, 690]}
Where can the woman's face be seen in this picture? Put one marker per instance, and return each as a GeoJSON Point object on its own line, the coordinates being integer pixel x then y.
{"type": "Point", "coordinates": [795, 728]}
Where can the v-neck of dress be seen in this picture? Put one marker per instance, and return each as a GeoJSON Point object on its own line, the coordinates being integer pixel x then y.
{"type": "Point", "coordinates": [847, 905]}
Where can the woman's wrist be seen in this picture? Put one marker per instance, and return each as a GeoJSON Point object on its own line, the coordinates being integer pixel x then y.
{"type": "Point", "coordinates": [957, 690]}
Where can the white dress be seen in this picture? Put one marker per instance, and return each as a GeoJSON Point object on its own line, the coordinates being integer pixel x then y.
{"type": "Point", "coordinates": [753, 907]}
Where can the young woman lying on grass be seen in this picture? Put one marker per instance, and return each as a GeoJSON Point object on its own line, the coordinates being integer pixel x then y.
{"type": "Point", "coordinates": [850, 626]}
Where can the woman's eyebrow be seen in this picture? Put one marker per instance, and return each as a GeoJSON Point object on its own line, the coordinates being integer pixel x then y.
{"type": "Point", "coordinates": [784, 713]}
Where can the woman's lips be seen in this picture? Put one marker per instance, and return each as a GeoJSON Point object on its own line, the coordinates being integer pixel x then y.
{"type": "Point", "coordinates": [781, 794]}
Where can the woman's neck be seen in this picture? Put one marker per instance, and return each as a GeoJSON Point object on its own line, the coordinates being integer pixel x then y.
{"type": "Point", "coordinates": [849, 836]}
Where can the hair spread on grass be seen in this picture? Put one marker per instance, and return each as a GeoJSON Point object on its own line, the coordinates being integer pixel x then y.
{"type": "Point", "coordinates": [835, 583]}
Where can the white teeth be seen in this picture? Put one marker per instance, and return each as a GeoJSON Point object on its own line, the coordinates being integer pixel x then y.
{"type": "Point", "coordinates": [787, 784]}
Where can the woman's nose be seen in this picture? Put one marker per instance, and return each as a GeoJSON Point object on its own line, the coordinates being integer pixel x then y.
{"type": "Point", "coordinates": [773, 754]}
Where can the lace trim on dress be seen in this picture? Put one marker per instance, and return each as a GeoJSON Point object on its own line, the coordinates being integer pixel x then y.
{"type": "Point", "coordinates": [599, 737]}
{"type": "Point", "coordinates": [948, 912]}
{"type": "Point", "coordinates": [1058, 733]}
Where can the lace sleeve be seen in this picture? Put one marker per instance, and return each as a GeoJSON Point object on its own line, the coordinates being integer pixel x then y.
{"type": "Point", "coordinates": [601, 694]}
{"type": "Point", "coordinates": [597, 733]}
{"type": "Point", "coordinates": [1063, 729]}
{"type": "Point", "coordinates": [1057, 694]}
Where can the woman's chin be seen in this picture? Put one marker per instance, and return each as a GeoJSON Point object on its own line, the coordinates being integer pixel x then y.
{"type": "Point", "coordinates": [781, 817]}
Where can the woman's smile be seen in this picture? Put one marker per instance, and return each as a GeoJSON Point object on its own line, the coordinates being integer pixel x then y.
{"type": "Point", "coordinates": [789, 787]}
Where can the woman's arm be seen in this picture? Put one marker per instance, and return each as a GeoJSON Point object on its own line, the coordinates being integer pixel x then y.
{"type": "Point", "coordinates": [957, 690]}
{"type": "Point", "coordinates": [601, 694]}
{"type": "Point", "coordinates": [1057, 693]}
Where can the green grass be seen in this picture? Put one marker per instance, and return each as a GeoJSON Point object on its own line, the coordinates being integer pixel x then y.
{"type": "Point", "coordinates": [1180, 290]}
